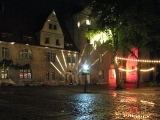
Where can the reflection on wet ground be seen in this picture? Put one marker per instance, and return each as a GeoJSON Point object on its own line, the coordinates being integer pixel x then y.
{"type": "Point", "coordinates": [66, 103]}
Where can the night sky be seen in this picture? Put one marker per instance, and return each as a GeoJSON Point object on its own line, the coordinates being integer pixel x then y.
{"type": "Point", "coordinates": [29, 15]}
{"type": "Point", "coordinates": [35, 7]}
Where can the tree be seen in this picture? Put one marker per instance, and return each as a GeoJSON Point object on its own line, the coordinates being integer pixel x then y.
{"type": "Point", "coordinates": [130, 23]}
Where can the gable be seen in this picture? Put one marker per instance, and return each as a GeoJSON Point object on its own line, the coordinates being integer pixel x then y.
{"type": "Point", "coordinates": [51, 34]}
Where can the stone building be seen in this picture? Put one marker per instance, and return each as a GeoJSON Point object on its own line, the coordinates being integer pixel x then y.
{"type": "Point", "coordinates": [100, 58]}
{"type": "Point", "coordinates": [49, 53]}
{"type": "Point", "coordinates": [97, 57]}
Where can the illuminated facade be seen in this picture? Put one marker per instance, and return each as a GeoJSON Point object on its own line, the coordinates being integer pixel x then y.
{"type": "Point", "coordinates": [98, 58]}
{"type": "Point", "coordinates": [50, 53]}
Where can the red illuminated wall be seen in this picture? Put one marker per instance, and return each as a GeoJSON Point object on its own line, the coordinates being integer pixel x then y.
{"type": "Point", "coordinates": [132, 76]}
{"type": "Point", "coordinates": [112, 77]}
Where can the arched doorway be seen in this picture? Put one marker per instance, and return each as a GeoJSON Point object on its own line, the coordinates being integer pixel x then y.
{"type": "Point", "coordinates": [70, 77]}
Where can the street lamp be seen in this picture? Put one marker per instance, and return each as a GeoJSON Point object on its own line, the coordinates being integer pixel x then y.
{"type": "Point", "coordinates": [85, 72]}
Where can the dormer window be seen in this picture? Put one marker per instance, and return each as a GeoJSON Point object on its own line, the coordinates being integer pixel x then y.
{"type": "Point", "coordinates": [6, 36]}
{"type": "Point", "coordinates": [69, 45]}
{"type": "Point", "coordinates": [27, 38]}
{"type": "Point", "coordinates": [24, 38]}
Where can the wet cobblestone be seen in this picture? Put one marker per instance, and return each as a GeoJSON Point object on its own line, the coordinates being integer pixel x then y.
{"type": "Point", "coordinates": [70, 103]}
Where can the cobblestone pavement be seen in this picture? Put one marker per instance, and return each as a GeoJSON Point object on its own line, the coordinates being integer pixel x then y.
{"type": "Point", "coordinates": [71, 103]}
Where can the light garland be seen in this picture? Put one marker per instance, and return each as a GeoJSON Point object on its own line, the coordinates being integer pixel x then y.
{"type": "Point", "coordinates": [122, 69]}
{"type": "Point", "coordinates": [147, 70]}
{"type": "Point", "coordinates": [131, 70]}
{"type": "Point", "coordinates": [138, 60]}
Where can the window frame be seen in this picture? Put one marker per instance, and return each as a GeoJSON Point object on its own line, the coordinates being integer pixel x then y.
{"type": "Point", "coordinates": [5, 52]}
{"type": "Point", "coordinates": [25, 74]}
{"type": "Point", "coordinates": [25, 54]}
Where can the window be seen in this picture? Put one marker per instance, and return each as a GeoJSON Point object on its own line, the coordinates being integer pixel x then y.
{"type": "Point", "coordinates": [46, 75]}
{"type": "Point", "coordinates": [100, 58]}
{"type": "Point", "coordinates": [25, 54]}
{"type": "Point", "coordinates": [47, 56]}
{"type": "Point", "coordinates": [4, 73]}
{"type": "Point", "coordinates": [73, 58]}
{"type": "Point", "coordinates": [27, 38]}
{"type": "Point", "coordinates": [101, 74]}
{"type": "Point", "coordinates": [68, 58]}
{"type": "Point", "coordinates": [55, 27]}
{"type": "Point", "coordinates": [57, 42]}
{"type": "Point", "coordinates": [4, 36]}
{"type": "Point", "coordinates": [25, 74]}
{"type": "Point", "coordinates": [50, 26]}
{"type": "Point", "coordinates": [47, 40]}
{"type": "Point", "coordinates": [50, 56]}
{"type": "Point", "coordinates": [4, 52]}
{"type": "Point", "coordinates": [52, 75]}
{"type": "Point", "coordinates": [88, 22]}
{"type": "Point", "coordinates": [53, 57]}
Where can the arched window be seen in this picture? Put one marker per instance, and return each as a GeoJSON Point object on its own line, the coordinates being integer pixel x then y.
{"type": "Point", "coordinates": [25, 54]}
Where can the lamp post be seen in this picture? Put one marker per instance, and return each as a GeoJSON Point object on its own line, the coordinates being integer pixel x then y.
{"type": "Point", "coordinates": [85, 72]}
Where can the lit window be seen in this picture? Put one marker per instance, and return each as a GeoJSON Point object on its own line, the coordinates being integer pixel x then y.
{"type": "Point", "coordinates": [88, 22]}
{"type": "Point", "coordinates": [25, 74]}
{"type": "Point", "coordinates": [4, 73]}
{"type": "Point", "coordinates": [25, 54]}
{"type": "Point", "coordinates": [68, 58]}
{"type": "Point", "coordinates": [78, 24]}
{"type": "Point", "coordinates": [73, 58]}
{"type": "Point", "coordinates": [4, 52]}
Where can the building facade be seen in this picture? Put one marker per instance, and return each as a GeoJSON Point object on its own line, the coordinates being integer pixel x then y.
{"type": "Point", "coordinates": [100, 58]}
{"type": "Point", "coordinates": [97, 57]}
{"type": "Point", "coordinates": [51, 60]}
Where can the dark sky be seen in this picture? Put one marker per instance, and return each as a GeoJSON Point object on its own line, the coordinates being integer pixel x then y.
{"type": "Point", "coordinates": [34, 7]}
{"type": "Point", "coordinates": [29, 15]}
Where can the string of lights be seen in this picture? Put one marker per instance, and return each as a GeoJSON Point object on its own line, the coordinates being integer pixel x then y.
{"type": "Point", "coordinates": [138, 60]}
{"type": "Point", "coordinates": [131, 70]}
